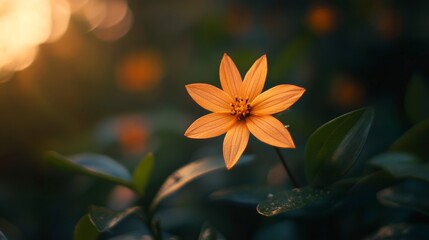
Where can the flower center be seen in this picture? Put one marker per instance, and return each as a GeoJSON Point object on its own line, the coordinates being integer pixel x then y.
{"type": "Point", "coordinates": [240, 108]}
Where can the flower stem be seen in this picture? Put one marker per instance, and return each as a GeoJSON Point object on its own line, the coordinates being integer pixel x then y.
{"type": "Point", "coordinates": [292, 179]}
{"type": "Point", "coordinates": [153, 224]}
{"type": "Point", "coordinates": [157, 230]}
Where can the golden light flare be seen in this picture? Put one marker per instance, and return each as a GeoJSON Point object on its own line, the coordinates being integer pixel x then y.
{"type": "Point", "coordinates": [116, 31]}
{"type": "Point", "coordinates": [108, 20]}
{"type": "Point", "coordinates": [241, 108]}
{"type": "Point", "coordinates": [77, 5]}
{"type": "Point", "coordinates": [94, 12]}
{"type": "Point", "coordinates": [26, 24]}
{"type": "Point", "coordinates": [140, 71]}
{"type": "Point", "coordinates": [116, 10]}
{"type": "Point", "coordinates": [60, 18]}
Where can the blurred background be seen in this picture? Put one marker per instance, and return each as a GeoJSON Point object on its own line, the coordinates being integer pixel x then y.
{"type": "Point", "coordinates": [108, 76]}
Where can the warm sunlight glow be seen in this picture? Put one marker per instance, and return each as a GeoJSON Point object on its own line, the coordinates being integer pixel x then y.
{"type": "Point", "coordinates": [116, 10]}
{"type": "Point", "coordinates": [109, 20]}
{"type": "Point", "coordinates": [95, 12]}
{"type": "Point", "coordinates": [111, 30]}
{"type": "Point", "coordinates": [60, 10]}
{"type": "Point", "coordinates": [24, 25]}
{"type": "Point", "coordinates": [241, 108]}
{"type": "Point", "coordinates": [22, 60]}
{"type": "Point", "coordinates": [77, 5]}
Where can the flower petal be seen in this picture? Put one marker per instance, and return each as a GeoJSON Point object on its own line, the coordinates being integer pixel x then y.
{"type": "Point", "coordinates": [230, 77]}
{"type": "Point", "coordinates": [210, 97]}
{"type": "Point", "coordinates": [210, 125]}
{"type": "Point", "coordinates": [235, 142]}
{"type": "Point", "coordinates": [270, 131]}
{"type": "Point", "coordinates": [254, 80]}
{"type": "Point", "coordinates": [276, 99]}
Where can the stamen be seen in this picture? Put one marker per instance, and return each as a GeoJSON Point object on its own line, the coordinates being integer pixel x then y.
{"type": "Point", "coordinates": [240, 108]}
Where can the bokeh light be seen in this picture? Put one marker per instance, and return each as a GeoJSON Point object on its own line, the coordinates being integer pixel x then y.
{"type": "Point", "coordinates": [140, 71]}
{"type": "Point", "coordinates": [26, 24]}
{"type": "Point", "coordinates": [121, 197]}
{"type": "Point", "coordinates": [321, 19]}
{"type": "Point", "coordinates": [60, 17]}
{"type": "Point", "coordinates": [239, 19]}
{"type": "Point", "coordinates": [276, 175]}
{"type": "Point", "coordinates": [346, 91]}
{"type": "Point", "coordinates": [127, 134]}
{"type": "Point", "coordinates": [108, 20]}
{"type": "Point", "coordinates": [387, 23]}
{"type": "Point", "coordinates": [132, 135]}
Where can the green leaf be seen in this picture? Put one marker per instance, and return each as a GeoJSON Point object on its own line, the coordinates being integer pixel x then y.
{"type": "Point", "coordinates": [403, 231]}
{"type": "Point", "coordinates": [142, 173]}
{"type": "Point", "coordinates": [416, 100]}
{"type": "Point", "coordinates": [410, 195]}
{"type": "Point", "coordinates": [294, 199]}
{"type": "Point", "coordinates": [133, 236]}
{"type": "Point", "coordinates": [347, 185]}
{"type": "Point", "coordinates": [209, 233]}
{"type": "Point", "coordinates": [414, 141]}
{"type": "Point", "coordinates": [104, 219]}
{"type": "Point", "coordinates": [85, 230]}
{"type": "Point", "coordinates": [189, 172]}
{"type": "Point", "coordinates": [402, 165]}
{"type": "Point", "coordinates": [248, 195]}
{"type": "Point", "coordinates": [333, 148]}
{"type": "Point", "coordinates": [93, 165]}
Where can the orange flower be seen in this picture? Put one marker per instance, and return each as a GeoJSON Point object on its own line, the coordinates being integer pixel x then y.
{"type": "Point", "coordinates": [241, 108]}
